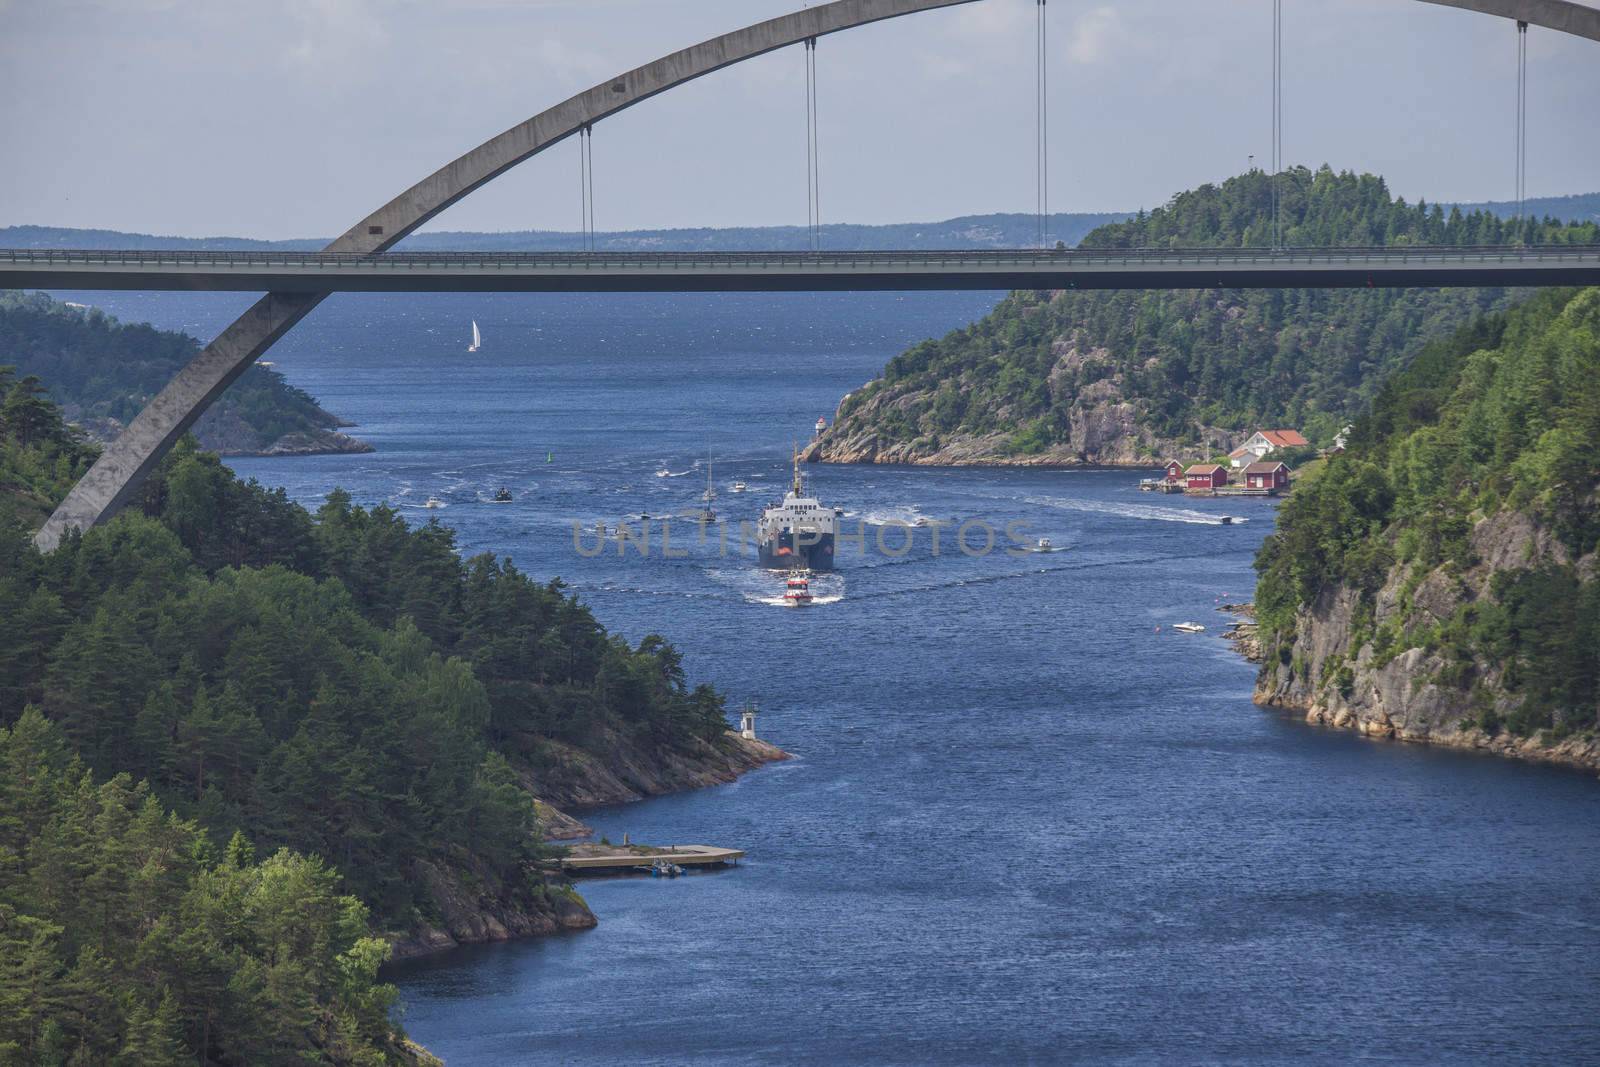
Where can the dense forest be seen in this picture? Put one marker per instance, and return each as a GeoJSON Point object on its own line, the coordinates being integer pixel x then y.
{"type": "Point", "coordinates": [102, 372]}
{"type": "Point", "coordinates": [1187, 361]}
{"type": "Point", "coordinates": [1463, 522]}
{"type": "Point", "coordinates": [219, 675]}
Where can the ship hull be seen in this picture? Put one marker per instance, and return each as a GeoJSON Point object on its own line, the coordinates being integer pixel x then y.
{"type": "Point", "coordinates": [813, 553]}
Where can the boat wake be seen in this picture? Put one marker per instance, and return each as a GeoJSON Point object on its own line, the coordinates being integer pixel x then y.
{"type": "Point", "coordinates": [755, 586]}
{"type": "Point", "coordinates": [1144, 512]}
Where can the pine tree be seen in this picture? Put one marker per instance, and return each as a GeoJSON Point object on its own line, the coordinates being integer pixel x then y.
{"type": "Point", "coordinates": [155, 1036]}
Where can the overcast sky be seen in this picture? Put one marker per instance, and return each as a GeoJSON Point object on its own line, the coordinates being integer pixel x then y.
{"type": "Point", "coordinates": [295, 118]}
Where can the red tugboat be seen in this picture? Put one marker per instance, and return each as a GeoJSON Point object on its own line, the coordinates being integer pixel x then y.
{"type": "Point", "coordinates": [798, 592]}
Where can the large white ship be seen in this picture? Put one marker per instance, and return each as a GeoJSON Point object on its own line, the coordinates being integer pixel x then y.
{"type": "Point", "coordinates": [799, 532]}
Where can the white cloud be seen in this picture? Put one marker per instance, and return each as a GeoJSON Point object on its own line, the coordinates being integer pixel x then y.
{"type": "Point", "coordinates": [334, 32]}
{"type": "Point", "coordinates": [1097, 33]}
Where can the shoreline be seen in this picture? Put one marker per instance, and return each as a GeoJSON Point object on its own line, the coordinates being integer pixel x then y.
{"type": "Point", "coordinates": [1580, 754]}
{"type": "Point", "coordinates": [471, 917]}
{"type": "Point", "coordinates": [989, 464]}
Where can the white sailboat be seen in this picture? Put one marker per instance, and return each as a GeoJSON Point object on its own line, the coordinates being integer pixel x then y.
{"type": "Point", "coordinates": [477, 338]}
{"type": "Point", "coordinates": [709, 497]}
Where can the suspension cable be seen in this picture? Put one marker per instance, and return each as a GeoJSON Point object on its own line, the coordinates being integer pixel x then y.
{"type": "Point", "coordinates": [1522, 118]}
{"type": "Point", "coordinates": [1277, 123]}
{"type": "Point", "coordinates": [1041, 146]}
{"type": "Point", "coordinates": [586, 182]}
{"type": "Point", "coordinates": [813, 165]}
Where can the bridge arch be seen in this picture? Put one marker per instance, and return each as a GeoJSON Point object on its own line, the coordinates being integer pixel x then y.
{"type": "Point", "coordinates": [117, 474]}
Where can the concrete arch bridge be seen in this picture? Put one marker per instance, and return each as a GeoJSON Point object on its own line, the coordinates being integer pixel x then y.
{"type": "Point", "coordinates": [111, 482]}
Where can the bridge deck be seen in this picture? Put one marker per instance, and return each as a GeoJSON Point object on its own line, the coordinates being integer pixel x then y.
{"type": "Point", "coordinates": [323, 272]}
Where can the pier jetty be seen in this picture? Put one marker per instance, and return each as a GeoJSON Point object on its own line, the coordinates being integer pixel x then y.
{"type": "Point", "coordinates": [590, 858]}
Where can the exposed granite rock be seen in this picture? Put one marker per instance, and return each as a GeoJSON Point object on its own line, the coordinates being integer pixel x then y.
{"type": "Point", "coordinates": [1242, 634]}
{"type": "Point", "coordinates": [1334, 684]}
{"type": "Point", "coordinates": [619, 771]}
{"type": "Point", "coordinates": [320, 443]}
{"type": "Point", "coordinates": [470, 909]}
{"type": "Point", "coordinates": [1106, 430]}
{"type": "Point", "coordinates": [475, 913]}
{"type": "Point", "coordinates": [557, 825]}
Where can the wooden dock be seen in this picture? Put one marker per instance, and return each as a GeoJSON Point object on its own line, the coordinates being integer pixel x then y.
{"type": "Point", "coordinates": [591, 858]}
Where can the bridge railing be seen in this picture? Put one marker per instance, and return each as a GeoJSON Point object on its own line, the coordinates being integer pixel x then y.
{"type": "Point", "coordinates": [933, 259]}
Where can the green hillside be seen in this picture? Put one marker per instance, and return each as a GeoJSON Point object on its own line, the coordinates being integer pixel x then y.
{"type": "Point", "coordinates": [218, 675]}
{"type": "Point", "coordinates": [103, 372]}
{"type": "Point", "coordinates": [1450, 554]}
{"type": "Point", "coordinates": [1125, 376]}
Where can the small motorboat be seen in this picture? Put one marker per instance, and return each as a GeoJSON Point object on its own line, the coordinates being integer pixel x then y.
{"type": "Point", "coordinates": [797, 592]}
{"type": "Point", "coordinates": [1044, 545]}
{"type": "Point", "coordinates": [738, 487]}
{"type": "Point", "coordinates": [503, 496]}
{"type": "Point", "coordinates": [1189, 627]}
{"type": "Point", "coordinates": [433, 502]}
{"type": "Point", "coordinates": [663, 473]}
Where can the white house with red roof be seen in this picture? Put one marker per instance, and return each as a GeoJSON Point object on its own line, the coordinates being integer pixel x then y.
{"type": "Point", "coordinates": [1263, 443]}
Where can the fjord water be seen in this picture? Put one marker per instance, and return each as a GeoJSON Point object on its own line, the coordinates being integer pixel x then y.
{"type": "Point", "coordinates": [1026, 821]}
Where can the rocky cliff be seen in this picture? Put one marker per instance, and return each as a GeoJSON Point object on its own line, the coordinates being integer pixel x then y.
{"type": "Point", "coordinates": [1382, 670]}
{"type": "Point", "coordinates": [1438, 581]}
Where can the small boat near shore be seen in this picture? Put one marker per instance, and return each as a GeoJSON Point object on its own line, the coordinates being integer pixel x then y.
{"type": "Point", "coordinates": [433, 503]}
{"type": "Point", "coordinates": [1189, 627]}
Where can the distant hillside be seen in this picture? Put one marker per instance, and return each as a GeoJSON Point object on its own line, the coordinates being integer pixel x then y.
{"type": "Point", "coordinates": [969, 231]}
{"type": "Point", "coordinates": [997, 230]}
{"type": "Point", "coordinates": [103, 372]}
{"type": "Point", "coordinates": [1130, 377]}
{"type": "Point", "coordinates": [1581, 208]}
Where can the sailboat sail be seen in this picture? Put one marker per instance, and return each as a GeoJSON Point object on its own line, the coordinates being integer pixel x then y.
{"type": "Point", "coordinates": [477, 338]}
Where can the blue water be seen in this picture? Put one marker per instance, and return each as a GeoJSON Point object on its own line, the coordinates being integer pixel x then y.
{"type": "Point", "coordinates": [1027, 821]}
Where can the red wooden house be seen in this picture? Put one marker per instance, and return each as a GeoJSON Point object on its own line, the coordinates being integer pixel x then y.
{"type": "Point", "coordinates": [1174, 471]}
{"type": "Point", "coordinates": [1266, 474]}
{"type": "Point", "coordinates": [1206, 476]}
